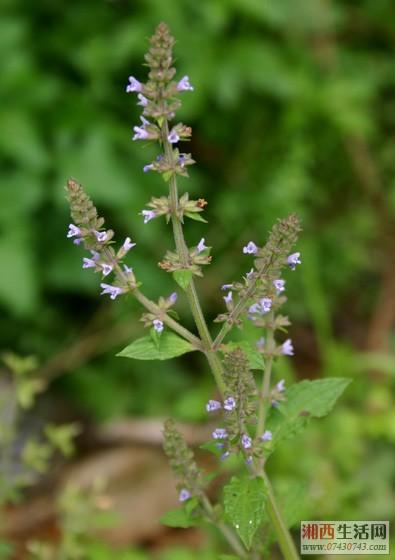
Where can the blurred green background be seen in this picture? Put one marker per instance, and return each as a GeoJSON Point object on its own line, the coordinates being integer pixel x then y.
{"type": "Point", "coordinates": [293, 111]}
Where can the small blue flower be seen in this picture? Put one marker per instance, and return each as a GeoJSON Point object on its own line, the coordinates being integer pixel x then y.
{"type": "Point", "coordinates": [127, 245]}
{"type": "Point", "coordinates": [101, 236]}
{"type": "Point", "coordinates": [148, 167]}
{"type": "Point", "coordinates": [267, 435]}
{"type": "Point", "coordinates": [220, 433]}
{"type": "Point", "coordinates": [249, 275]}
{"type": "Point", "coordinates": [246, 441]}
{"type": "Point", "coordinates": [225, 455]}
{"type": "Point", "coordinates": [227, 287]}
{"type": "Point", "coordinates": [113, 291]}
{"type": "Point", "coordinates": [184, 85]}
{"type": "Point", "coordinates": [281, 386]}
{"type": "Point", "coordinates": [211, 406]}
{"type": "Point", "coordinates": [266, 304]}
{"type": "Point", "coordinates": [143, 101]}
{"type": "Point", "coordinates": [140, 133]}
{"type": "Point", "coordinates": [73, 231]}
{"type": "Point", "coordinates": [184, 495]}
{"type": "Point", "coordinates": [293, 260]}
{"type": "Point", "coordinates": [173, 298]}
{"type": "Point", "coordinates": [279, 285]}
{"type": "Point", "coordinates": [158, 325]}
{"type": "Point", "coordinates": [287, 348]}
{"type": "Point", "coordinates": [148, 215]}
{"type": "Point", "coordinates": [229, 404]}
{"type": "Point", "coordinates": [127, 269]}
{"type": "Point", "coordinates": [88, 263]}
{"type": "Point", "coordinates": [106, 268]}
{"type": "Point", "coordinates": [201, 246]}
{"type": "Point", "coordinates": [173, 137]}
{"type": "Point", "coordinates": [134, 85]}
{"type": "Point", "coordinates": [250, 249]}
{"type": "Point", "coordinates": [228, 298]}
{"type": "Point", "coordinates": [249, 461]}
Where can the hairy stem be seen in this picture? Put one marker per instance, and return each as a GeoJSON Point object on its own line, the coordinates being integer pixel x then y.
{"type": "Point", "coordinates": [183, 252]}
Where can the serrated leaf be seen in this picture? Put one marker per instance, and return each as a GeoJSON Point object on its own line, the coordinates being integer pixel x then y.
{"type": "Point", "coordinates": [170, 345]}
{"type": "Point", "coordinates": [195, 216]}
{"type": "Point", "coordinates": [255, 358]}
{"type": "Point", "coordinates": [244, 502]}
{"type": "Point", "coordinates": [183, 516]}
{"type": "Point", "coordinates": [305, 400]}
{"type": "Point", "coordinates": [183, 278]}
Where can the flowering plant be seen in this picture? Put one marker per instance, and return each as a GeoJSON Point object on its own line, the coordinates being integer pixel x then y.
{"type": "Point", "coordinates": [255, 412]}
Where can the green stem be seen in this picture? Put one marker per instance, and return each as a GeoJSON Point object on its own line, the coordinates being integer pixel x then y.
{"type": "Point", "coordinates": [183, 253]}
{"type": "Point", "coordinates": [285, 541]}
{"type": "Point", "coordinates": [264, 393]}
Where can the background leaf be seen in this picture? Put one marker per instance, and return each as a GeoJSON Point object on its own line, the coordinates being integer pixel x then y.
{"type": "Point", "coordinates": [169, 345]}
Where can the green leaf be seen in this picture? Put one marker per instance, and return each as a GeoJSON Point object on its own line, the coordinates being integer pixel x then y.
{"type": "Point", "coordinates": [255, 358]}
{"type": "Point", "coordinates": [244, 502]}
{"type": "Point", "coordinates": [181, 517]}
{"type": "Point", "coordinates": [170, 345]}
{"type": "Point", "coordinates": [183, 278]}
{"type": "Point", "coordinates": [305, 400]}
{"type": "Point", "coordinates": [195, 216]}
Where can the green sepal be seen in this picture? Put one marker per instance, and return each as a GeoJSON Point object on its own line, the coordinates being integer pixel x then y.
{"type": "Point", "coordinates": [195, 216]}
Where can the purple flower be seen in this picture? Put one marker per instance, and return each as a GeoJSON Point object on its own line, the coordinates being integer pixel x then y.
{"type": "Point", "coordinates": [127, 245]}
{"type": "Point", "coordinates": [228, 298]}
{"type": "Point", "coordinates": [148, 167]}
{"type": "Point", "coordinates": [143, 101]}
{"type": "Point", "coordinates": [267, 435]}
{"type": "Point", "coordinates": [95, 255]}
{"type": "Point", "coordinates": [249, 461]}
{"type": "Point", "coordinates": [225, 455]}
{"type": "Point", "coordinates": [266, 304]}
{"type": "Point", "coordinates": [250, 249]}
{"type": "Point", "coordinates": [88, 263]}
{"type": "Point", "coordinates": [73, 231]}
{"type": "Point", "coordinates": [184, 85]}
{"type": "Point", "coordinates": [173, 137]}
{"type": "Point", "coordinates": [219, 445]}
{"type": "Point", "coordinates": [101, 236]}
{"type": "Point", "coordinates": [293, 260]}
{"type": "Point", "coordinates": [287, 348]}
{"type": "Point", "coordinates": [133, 85]}
{"type": "Point", "coordinates": [184, 495]}
{"type": "Point", "coordinates": [213, 405]}
{"type": "Point", "coordinates": [181, 160]}
{"type": "Point", "coordinates": [281, 386]}
{"type": "Point", "coordinates": [260, 343]}
{"type": "Point", "coordinates": [148, 215]}
{"type": "Point", "coordinates": [220, 433]}
{"type": "Point", "coordinates": [114, 291]}
{"type": "Point", "coordinates": [249, 274]}
{"type": "Point", "coordinates": [140, 133]}
{"type": "Point", "coordinates": [260, 308]}
{"type": "Point", "coordinates": [246, 441]}
{"type": "Point", "coordinates": [106, 268]}
{"type": "Point", "coordinates": [229, 404]}
{"type": "Point", "coordinates": [77, 241]}
{"type": "Point", "coordinates": [173, 298]}
{"type": "Point", "coordinates": [158, 325]}
{"type": "Point", "coordinates": [227, 287]}
{"type": "Point", "coordinates": [127, 269]}
{"type": "Point", "coordinates": [279, 285]}
{"type": "Point", "coordinates": [201, 246]}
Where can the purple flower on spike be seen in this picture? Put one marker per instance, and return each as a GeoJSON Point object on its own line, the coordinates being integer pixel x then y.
{"type": "Point", "coordinates": [229, 404]}
{"type": "Point", "coordinates": [106, 268]}
{"type": "Point", "coordinates": [281, 386]}
{"type": "Point", "coordinates": [249, 461]}
{"type": "Point", "coordinates": [266, 304]}
{"type": "Point", "coordinates": [140, 133]}
{"type": "Point", "coordinates": [73, 231]}
{"type": "Point", "coordinates": [88, 263]}
{"type": "Point", "coordinates": [113, 291]}
{"type": "Point", "coordinates": [173, 298]}
{"type": "Point", "coordinates": [293, 260]}
{"type": "Point", "coordinates": [184, 495]}
{"type": "Point", "coordinates": [173, 137]}
{"type": "Point", "coordinates": [158, 325]}
{"type": "Point", "coordinates": [133, 85]}
{"type": "Point", "coordinates": [127, 245]}
{"type": "Point", "coordinates": [246, 441]}
{"type": "Point", "coordinates": [181, 160]}
{"type": "Point", "coordinates": [148, 167]}
{"type": "Point", "coordinates": [184, 85]}
{"type": "Point", "coordinates": [127, 269]}
{"type": "Point", "coordinates": [201, 246]}
{"type": "Point", "coordinates": [143, 101]}
{"type": "Point", "coordinates": [260, 308]}
{"type": "Point", "coordinates": [225, 455]}
{"type": "Point", "coordinates": [227, 287]}
{"type": "Point", "coordinates": [287, 348]}
{"type": "Point", "coordinates": [211, 406]}
{"type": "Point", "coordinates": [267, 435]}
{"type": "Point", "coordinates": [249, 274]}
{"type": "Point", "coordinates": [279, 285]}
{"type": "Point", "coordinates": [95, 255]}
{"type": "Point", "coordinates": [250, 249]}
{"type": "Point", "coordinates": [148, 215]}
{"type": "Point", "coordinates": [101, 236]}
{"type": "Point", "coordinates": [228, 298]}
{"type": "Point", "coordinates": [78, 241]}
{"type": "Point", "coordinates": [220, 433]}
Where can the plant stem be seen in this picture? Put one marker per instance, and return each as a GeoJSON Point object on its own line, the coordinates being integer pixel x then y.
{"type": "Point", "coordinates": [285, 541]}
{"type": "Point", "coordinates": [264, 393]}
{"type": "Point", "coordinates": [183, 253]}
{"type": "Point", "coordinates": [227, 532]}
